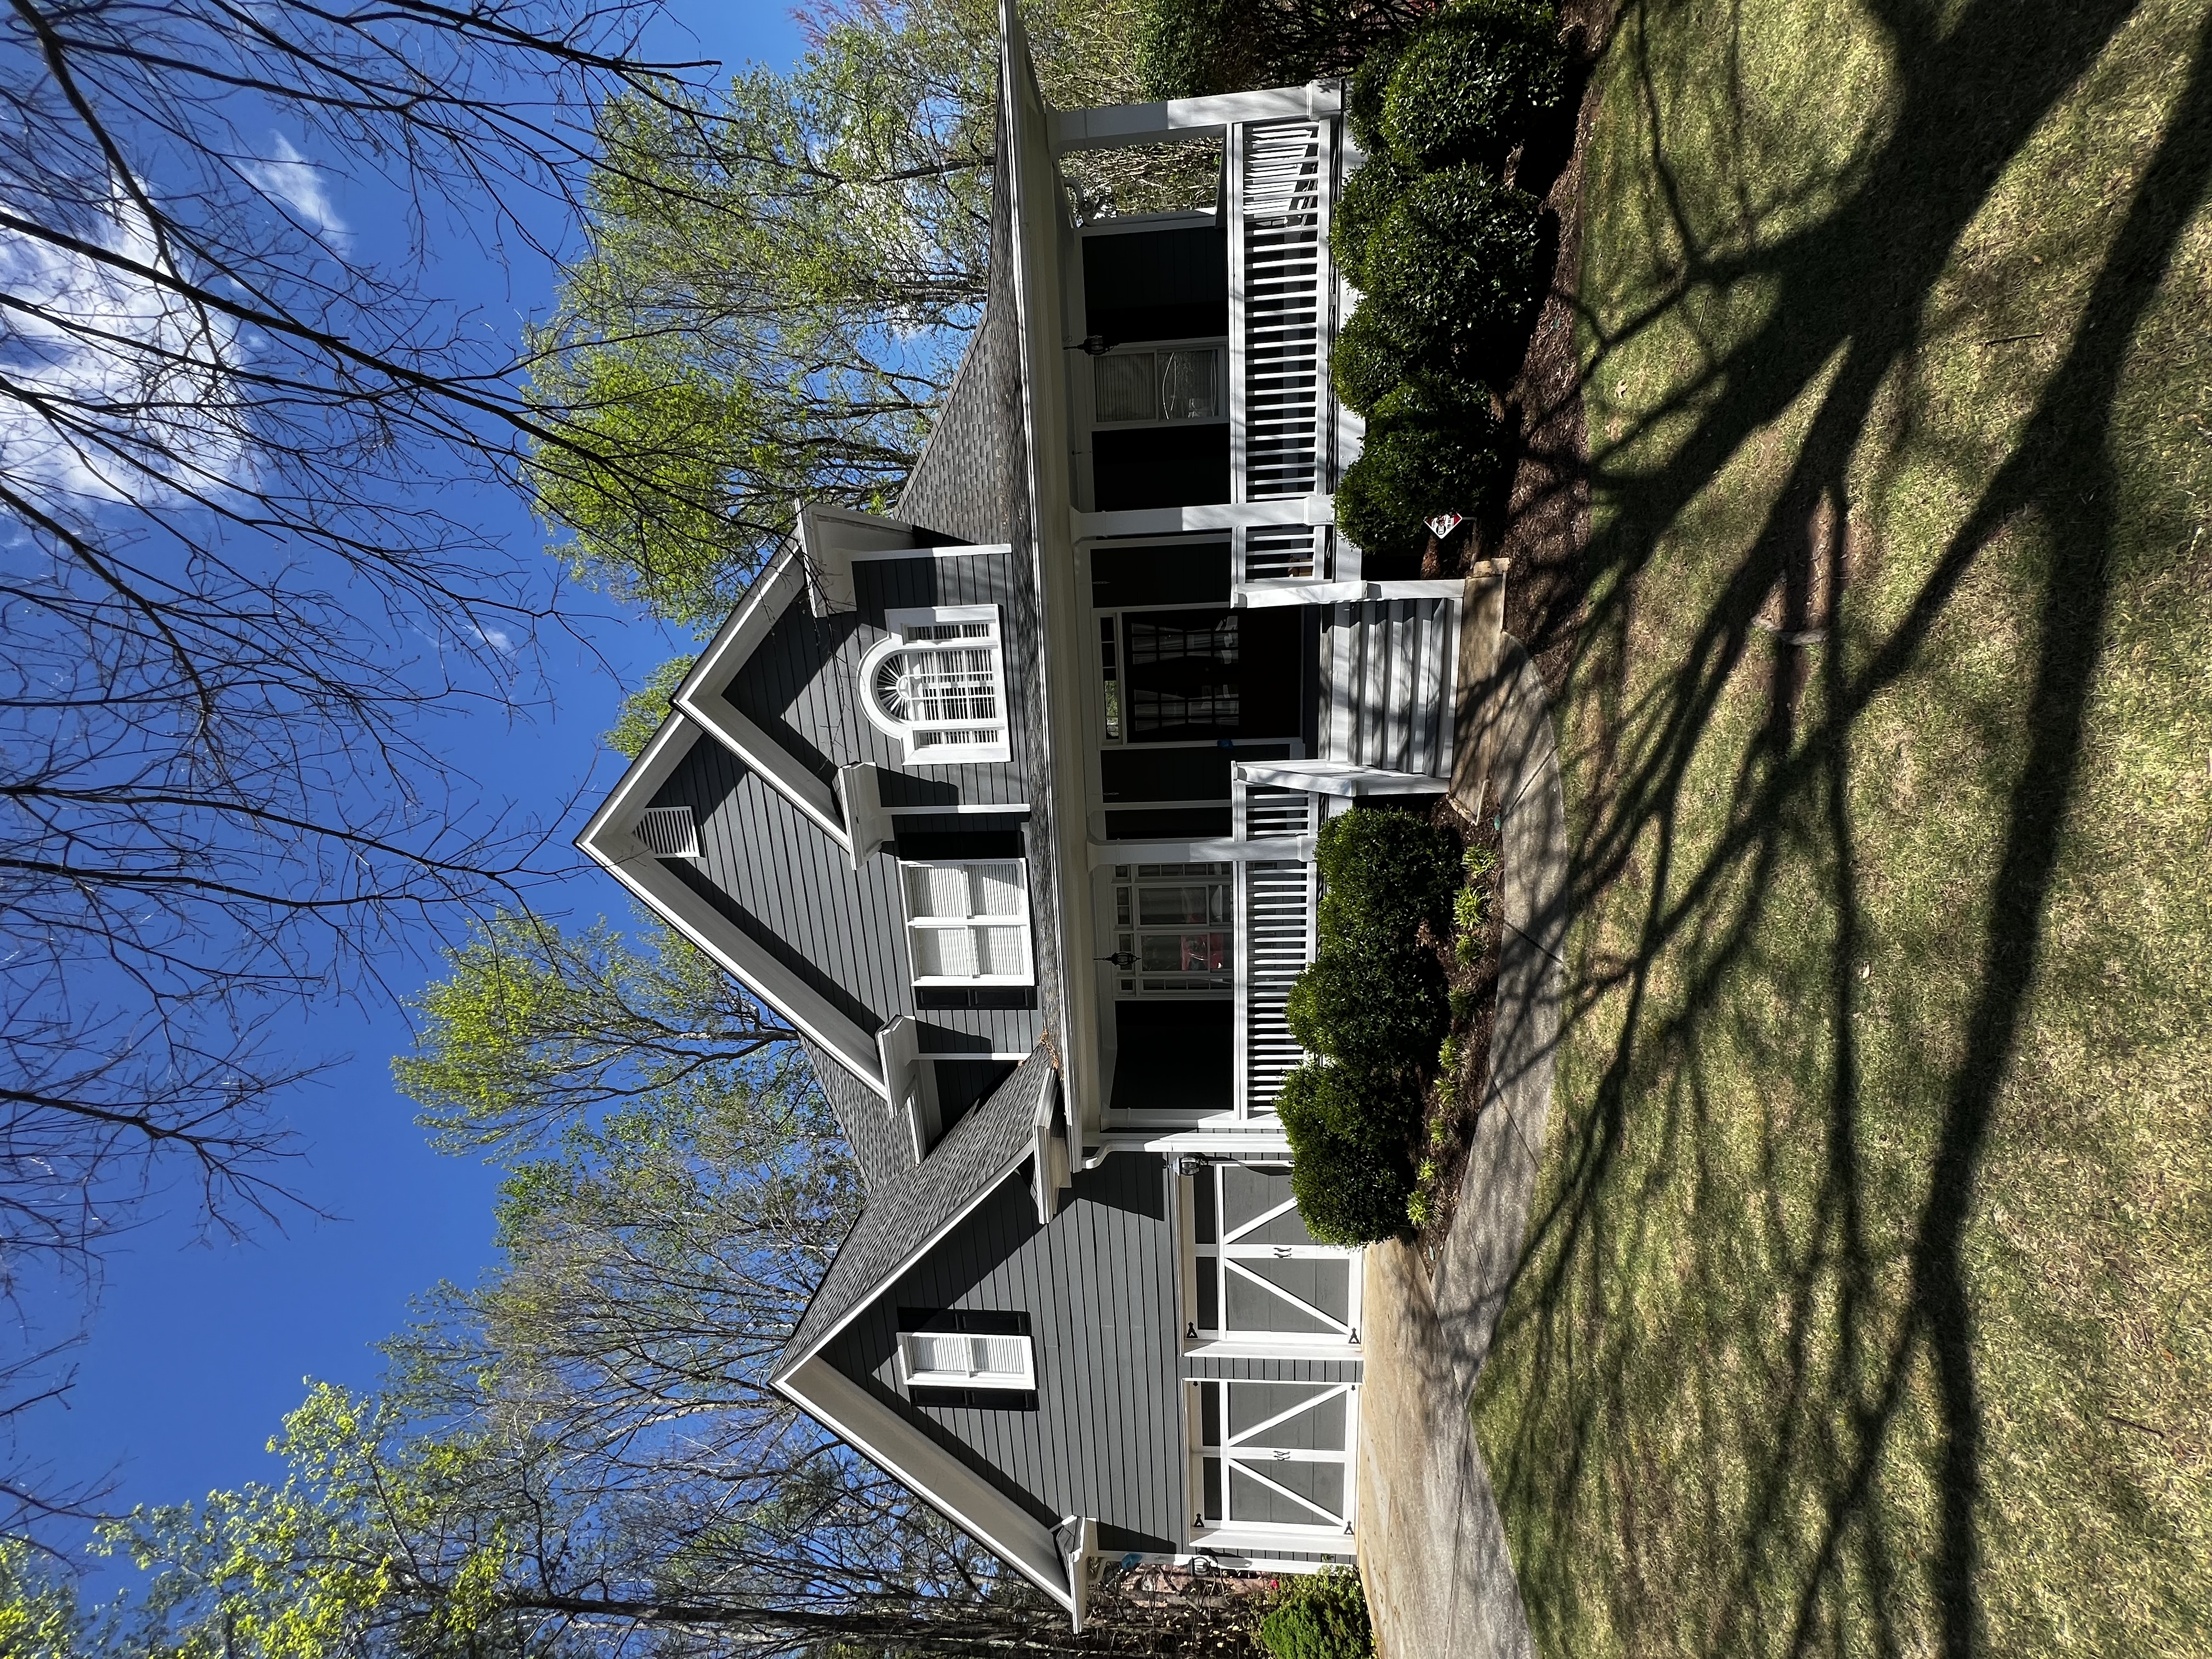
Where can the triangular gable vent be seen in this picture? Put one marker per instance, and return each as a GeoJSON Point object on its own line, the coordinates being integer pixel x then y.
{"type": "Point", "coordinates": [668, 832]}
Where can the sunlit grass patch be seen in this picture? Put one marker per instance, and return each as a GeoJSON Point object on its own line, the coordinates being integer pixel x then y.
{"type": "Point", "coordinates": [1870, 1300]}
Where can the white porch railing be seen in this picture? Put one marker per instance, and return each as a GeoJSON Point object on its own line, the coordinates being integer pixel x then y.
{"type": "Point", "coordinates": [1273, 940]}
{"type": "Point", "coordinates": [1281, 415]}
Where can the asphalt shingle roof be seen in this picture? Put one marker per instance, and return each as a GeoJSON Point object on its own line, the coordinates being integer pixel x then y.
{"type": "Point", "coordinates": [975, 1153]}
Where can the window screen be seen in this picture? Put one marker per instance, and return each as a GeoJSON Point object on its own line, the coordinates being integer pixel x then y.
{"type": "Point", "coordinates": [1181, 385]}
{"type": "Point", "coordinates": [1174, 927]}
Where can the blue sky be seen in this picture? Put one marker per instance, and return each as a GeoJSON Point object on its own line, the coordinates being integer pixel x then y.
{"type": "Point", "coordinates": [199, 1348]}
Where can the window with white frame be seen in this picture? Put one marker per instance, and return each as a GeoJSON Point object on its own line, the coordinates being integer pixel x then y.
{"type": "Point", "coordinates": [1150, 385]}
{"type": "Point", "coordinates": [1174, 928]}
{"type": "Point", "coordinates": [966, 1360]}
{"type": "Point", "coordinates": [938, 685]}
{"type": "Point", "coordinates": [967, 923]}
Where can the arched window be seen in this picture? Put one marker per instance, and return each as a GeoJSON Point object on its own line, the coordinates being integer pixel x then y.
{"type": "Point", "coordinates": [938, 685]}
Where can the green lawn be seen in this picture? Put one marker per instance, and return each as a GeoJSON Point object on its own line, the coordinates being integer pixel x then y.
{"type": "Point", "coordinates": [1868, 1305]}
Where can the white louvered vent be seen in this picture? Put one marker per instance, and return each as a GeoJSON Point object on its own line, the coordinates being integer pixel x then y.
{"type": "Point", "coordinates": [962, 1360]}
{"type": "Point", "coordinates": [668, 832]}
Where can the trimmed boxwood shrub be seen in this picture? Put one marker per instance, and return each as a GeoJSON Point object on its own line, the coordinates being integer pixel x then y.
{"type": "Point", "coordinates": [1371, 1007]}
{"type": "Point", "coordinates": [1367, 364]}
{"type": "Point", "coordinates": [1453, 267]}
{"type": "Point", "coordinates": [1363, 100]}
{"type": "Point", "coordinates": [1365, 202]}
{"type": "Point", "coordinates": [1352, 1164]}
{"type": "Point", "coordinates": [1375, 1010]}
{"type": "Point", "coordinates": [1383, 873]}
{"type": "Point", "coordinates": [1426, 453]}
{"type": "Point", "coordinates": [1321, 1615]}
{"type": "Point", "coordinates": [1467, 85]}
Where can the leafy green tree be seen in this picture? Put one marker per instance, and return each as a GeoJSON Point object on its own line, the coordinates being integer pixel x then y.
{"type": "Point", "coordinates": [1190, 48]}
{"type": "Point", "coordinates": [39, 1618]}
{"type": "Point", "coordinates": [778, 284]}
{"type": "Point", "coordinates": [652, 1263]}
{"type": "Point", "coordinates": [645, 708]}
{"type": "Point", "coordinates": [486, 1539]}
{"type": "Point", "coordinates": [534, 1030]}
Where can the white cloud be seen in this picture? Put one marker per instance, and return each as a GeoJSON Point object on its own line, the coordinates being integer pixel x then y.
{"type": "Point", "coordinates": [297, 183]}
{"type": "Point", "coordinates": [497, 638]}
{"type": "Point", "coordinates": [111, 385]}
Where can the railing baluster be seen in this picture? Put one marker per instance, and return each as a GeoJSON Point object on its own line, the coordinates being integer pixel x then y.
{"type": "Point", "coordinates": [1275, 915]}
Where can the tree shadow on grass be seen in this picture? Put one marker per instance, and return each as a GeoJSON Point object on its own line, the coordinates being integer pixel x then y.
{"type": "Point", "coordinates": [1814, 1566]}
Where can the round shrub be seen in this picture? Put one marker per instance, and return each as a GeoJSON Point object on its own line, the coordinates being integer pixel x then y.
{"type": "Point", "coordinates": [1373, 1010]}
{"type": "Point", "coordinates": [1453, 266]}
{"type": "Point", "coordinates": [1467, 87]}
{"type": "Point", "coordinates": [1321, 1615]}
{"type": "Point", "coordinates": [1366, 200]}
{"type": "Point", "coordinates": [1383, 873]}
{"type": "Point", "coordinates": [1367, 363]}
{"type": "Point", "coordinates": [1363, 100]}
{"type": "Point", "coordinates": [1425, 453]}
{"type": "Point", "coordinates": [1351, 1165]}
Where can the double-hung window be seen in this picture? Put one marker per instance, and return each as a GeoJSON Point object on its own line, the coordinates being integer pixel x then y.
{"type": "Point", "coordinates": [938, 685]}
{"type": "Point", "coordinates": [967, 923]}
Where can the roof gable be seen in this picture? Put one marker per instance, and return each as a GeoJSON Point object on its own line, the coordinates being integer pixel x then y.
{"type": "Point", "coordinates": [977, 1154]}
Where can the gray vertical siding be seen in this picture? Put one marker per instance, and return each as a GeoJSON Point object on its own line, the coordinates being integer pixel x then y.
{"type": "Point", "coordinates": [771, 870]}
{"type": "Point", "coordinates": [801, 684]}
{"type": "Point", "coordinates": [1106, 1438]}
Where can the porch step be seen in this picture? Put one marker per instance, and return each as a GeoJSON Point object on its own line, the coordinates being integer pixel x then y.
{"type": "Point", "coordinates": [1387, 671]}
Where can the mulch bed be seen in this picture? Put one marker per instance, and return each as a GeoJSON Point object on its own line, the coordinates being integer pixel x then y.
{"type": "Point", "coordinates": [1542, 526]}
{"type": "Point", "coordinates": [1455, 1100]}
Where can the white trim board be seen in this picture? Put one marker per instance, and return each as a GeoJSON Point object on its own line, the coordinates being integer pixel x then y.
{"type": "Point", "coordinates": [1154, 521]}
{"type": "Point", "coordinates": [607, 841]}
{"type": "Point", "coordinates": [1267, 849]}
{"type": "Point", "coordinates": [962, 550]}
{"type": "Point", "coordinates": [1013, 809]}
{"type": "Point", "coordinates": [933, 1473]}
{"type": "Point", "coordinates": [771, 594]}
{"type": "Point", "coordinates": [1039, 235]}
{"type": "Point", "coordinates": [1190, 117]}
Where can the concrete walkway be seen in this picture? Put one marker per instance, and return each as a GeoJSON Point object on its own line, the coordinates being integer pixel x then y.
{"type": "Point", "coordinates": [1431, 1544]}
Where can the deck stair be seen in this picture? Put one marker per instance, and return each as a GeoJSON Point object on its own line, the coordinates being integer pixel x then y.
{"type": "Point", "coordinates": [1388, 668]}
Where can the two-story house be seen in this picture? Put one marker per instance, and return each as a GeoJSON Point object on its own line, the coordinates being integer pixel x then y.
{"type": "Point", "coordinates": [1006, 803]}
